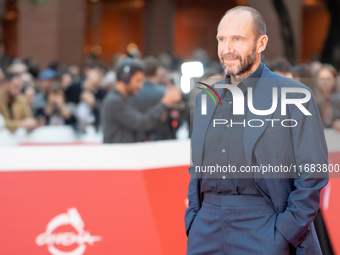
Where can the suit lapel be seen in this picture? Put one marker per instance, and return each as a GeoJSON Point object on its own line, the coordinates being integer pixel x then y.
{"type": "Point", "coordinates": [262, 100]}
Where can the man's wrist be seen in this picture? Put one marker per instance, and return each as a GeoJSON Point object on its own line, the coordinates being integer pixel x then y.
{"type": "Point", "coordinates": [164, 105]}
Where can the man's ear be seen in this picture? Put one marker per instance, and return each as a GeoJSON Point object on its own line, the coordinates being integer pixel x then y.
{"type": "Point", "coordinates": [262, 43]}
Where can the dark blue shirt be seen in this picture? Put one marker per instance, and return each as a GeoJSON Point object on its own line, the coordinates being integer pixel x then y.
{"type": "Point", "coordinates": [223, 146]}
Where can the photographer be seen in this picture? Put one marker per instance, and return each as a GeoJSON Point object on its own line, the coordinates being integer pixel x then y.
{"type": "Point", "coordinates": [121, 120]}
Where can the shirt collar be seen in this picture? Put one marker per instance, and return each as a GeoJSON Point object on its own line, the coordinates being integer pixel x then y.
{"type": "Point", "coordinates": [250, 81]}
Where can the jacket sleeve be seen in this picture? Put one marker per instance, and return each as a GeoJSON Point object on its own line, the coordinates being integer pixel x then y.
{"type": "Point", "coordinates": [130, 118]}
{"type": "Point", "coordinates": [310, 147]}
{"type": "Point", "coordinates": [192, 209]}
{"type": "Point", "coordinates": [11, 124]}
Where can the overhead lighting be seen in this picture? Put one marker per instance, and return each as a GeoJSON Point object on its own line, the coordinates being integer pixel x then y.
{"type": "Point", "coordinates": [132, 48]}
{"type": "Point", "coordinates": [192, 69]}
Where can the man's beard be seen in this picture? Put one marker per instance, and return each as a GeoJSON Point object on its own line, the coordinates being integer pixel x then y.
{"type": "Point", "coordinates": [243, 67]}
{"type": "Point", "coordinates": [131, 91]}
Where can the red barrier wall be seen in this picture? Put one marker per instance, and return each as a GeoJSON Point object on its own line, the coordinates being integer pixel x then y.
{"type": "Point", "coordinates": [133, 212]}
{"type": "Point", "coordinates": [108, 199]}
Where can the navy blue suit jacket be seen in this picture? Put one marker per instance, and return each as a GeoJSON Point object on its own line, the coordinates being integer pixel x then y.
{"type": "Point", "coordinates": [296, 200]}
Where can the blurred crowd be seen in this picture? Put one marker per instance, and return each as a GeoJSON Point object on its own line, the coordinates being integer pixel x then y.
{"type": "Point", "coordinates": [57, 95]}
{"type": "Point", "coordinates": [323, 80]}
{"type": "Point", "coordinates": [31, 97]}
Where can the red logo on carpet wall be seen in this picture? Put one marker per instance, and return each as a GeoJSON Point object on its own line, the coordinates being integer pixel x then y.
{"type": "Point", "coordinates": [55, 240]}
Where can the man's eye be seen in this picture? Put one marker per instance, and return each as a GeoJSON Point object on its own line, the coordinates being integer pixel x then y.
{"type": "Point", "coordinates": [221, 39]}
{"type": "Point", "coordinates": [237, 39]}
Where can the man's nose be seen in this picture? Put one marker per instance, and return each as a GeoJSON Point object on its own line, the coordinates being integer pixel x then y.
{"type": "Point", "coordinates": [227, 48]}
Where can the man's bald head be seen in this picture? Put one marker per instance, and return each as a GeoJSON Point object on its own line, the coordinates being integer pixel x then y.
{"type": "Point", "coordinates": [258, 21]}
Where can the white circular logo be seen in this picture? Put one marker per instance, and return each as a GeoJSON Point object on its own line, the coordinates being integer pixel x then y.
{"type": "Point", "coordinates": [73, 218]}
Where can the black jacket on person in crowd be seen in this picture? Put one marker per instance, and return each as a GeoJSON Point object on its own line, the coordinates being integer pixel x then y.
{"type": "Point", "coordinates": [122, 121]}
{"type": "Point", "coordinates": [146, 98]}
{"type": "Point", "coordinates": [74, 91]}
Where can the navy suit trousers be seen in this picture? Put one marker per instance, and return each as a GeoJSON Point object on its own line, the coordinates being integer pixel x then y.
{"type": "Point", "coordinates": [235, 225]}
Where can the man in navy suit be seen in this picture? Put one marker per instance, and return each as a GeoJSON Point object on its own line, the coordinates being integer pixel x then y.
{"type": "Point", "coordinates": [254, 212]}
